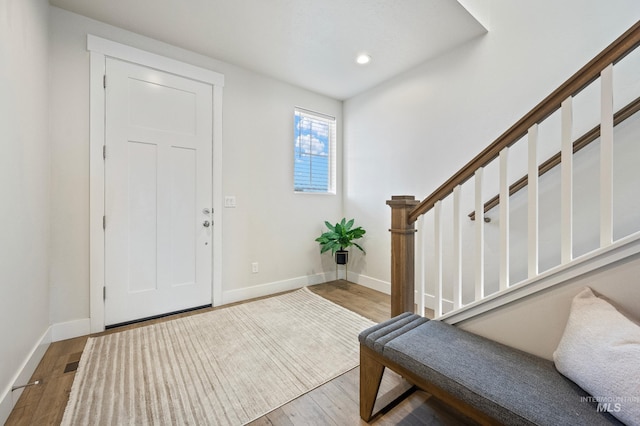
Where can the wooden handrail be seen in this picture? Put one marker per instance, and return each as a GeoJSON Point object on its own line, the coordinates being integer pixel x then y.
{"type": "Point", "coordinates": [552, 162]}
{"type": "Point", "coordinates": [615, 52]}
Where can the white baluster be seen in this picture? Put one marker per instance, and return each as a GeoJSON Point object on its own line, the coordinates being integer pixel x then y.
{"type": "Point", "coordinates": [504, 219]}
{"type": "Point", "coordinates": [437, 237]}
{"type": "Point", "coordinates": [566, 170]}
{"type": "Point", "coordinates": [457, 250]}
{"type": "Point", "coordinates": [479, 261]}
{"type": "Point", "coordinates": [532, 195]}
{"type": "Point", "coordinates": [422, 279]}
{"type": "Point", "coordinates": [606, 157]}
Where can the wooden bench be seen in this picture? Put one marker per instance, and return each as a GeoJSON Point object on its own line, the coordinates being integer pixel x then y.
{"type": "Point", "coordinates": [487, 381]}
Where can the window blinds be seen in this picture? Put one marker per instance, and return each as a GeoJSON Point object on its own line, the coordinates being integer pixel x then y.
{"type": "Point", "coordinates": [314, 152]}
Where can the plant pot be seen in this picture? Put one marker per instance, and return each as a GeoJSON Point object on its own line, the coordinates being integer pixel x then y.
{"type": "Point", "coordinates": [342, 257]}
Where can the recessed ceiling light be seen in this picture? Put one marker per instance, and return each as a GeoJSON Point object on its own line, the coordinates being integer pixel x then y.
{"type": "Point", "coordinates": [363, 59]}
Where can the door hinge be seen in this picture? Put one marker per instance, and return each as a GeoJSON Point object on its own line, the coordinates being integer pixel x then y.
{"type": "Point", "coordinates": [104, 81]}
{"type": "Point", "coordinates": [104, 222]}
{"type": "Point", "coordinates": [104, 152]}
{"type": "Point", "coordinates": [104, 293]}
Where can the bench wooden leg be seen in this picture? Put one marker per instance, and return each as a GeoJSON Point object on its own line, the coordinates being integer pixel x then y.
{"type": "Point", "coordinates": [370, 377]}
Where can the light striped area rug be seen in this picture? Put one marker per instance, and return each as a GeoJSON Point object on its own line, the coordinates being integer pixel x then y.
{"type": "Point", "coordinates": [225, 367]}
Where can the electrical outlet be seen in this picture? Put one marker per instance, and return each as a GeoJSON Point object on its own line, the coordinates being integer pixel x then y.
{"type": "Point", "coordinates": [254, 267]}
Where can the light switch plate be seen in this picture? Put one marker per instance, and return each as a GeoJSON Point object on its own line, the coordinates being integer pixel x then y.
{"type": "Point", "coordinates": [229, 201]}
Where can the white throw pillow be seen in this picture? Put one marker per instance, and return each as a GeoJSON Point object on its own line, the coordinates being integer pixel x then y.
{"type": "Point", "coordinates": [600, 351]}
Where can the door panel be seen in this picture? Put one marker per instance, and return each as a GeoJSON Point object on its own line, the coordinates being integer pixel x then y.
{"type": "Point", "coordinates": [158, 180]}
{"type": "Point", "coordinates": [183, 235]}
{"type": "Point", "coordinates": [142, 216]}
{"type": "Point", "coordinates": [173, 109]}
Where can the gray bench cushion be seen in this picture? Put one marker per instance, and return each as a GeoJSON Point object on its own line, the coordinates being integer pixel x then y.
{"type": "Point", "coordinates": [512, 386]}
{"type": "Point", "coordinates": [379, 335]}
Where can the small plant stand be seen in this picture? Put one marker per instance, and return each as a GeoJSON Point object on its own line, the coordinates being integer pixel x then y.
{"type": "Point", "coordinates": [346, 271]}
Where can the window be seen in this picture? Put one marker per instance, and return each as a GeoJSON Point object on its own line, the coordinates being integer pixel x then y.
{"type": "Point", "coordinates": [314, 167]}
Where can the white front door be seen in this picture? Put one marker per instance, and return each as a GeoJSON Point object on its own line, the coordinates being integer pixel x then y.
{"type": "Point", "coordinates": [158, 192]}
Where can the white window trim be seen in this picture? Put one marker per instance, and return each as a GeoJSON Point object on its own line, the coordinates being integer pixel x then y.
{"type": "Point", "coordinates": [333, 153]}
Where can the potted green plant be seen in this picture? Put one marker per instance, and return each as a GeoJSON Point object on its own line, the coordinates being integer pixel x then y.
{"type": "Point", "coordinates": [339, 237]}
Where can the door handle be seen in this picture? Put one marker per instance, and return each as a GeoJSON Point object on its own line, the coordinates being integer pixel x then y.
{"type": "Point", "coordinates": [206, 224]}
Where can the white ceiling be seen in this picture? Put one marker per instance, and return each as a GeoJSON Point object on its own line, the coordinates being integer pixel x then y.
{"type": "Point", "coordinates": [309, 43]}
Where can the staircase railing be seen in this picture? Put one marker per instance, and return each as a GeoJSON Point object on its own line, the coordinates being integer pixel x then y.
{"type": "Point", "coordinates": [580, 143]}
{"type": "Point", "coordinates": [406, 210]}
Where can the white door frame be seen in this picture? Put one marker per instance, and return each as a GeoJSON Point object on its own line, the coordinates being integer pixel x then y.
{"type": "Point", "coordinates": [100, 48]}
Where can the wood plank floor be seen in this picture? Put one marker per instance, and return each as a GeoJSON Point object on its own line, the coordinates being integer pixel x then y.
{"type": "Point", "coordinates": [334, 403]}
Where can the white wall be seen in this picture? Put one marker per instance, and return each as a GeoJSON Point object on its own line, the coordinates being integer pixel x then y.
{"type": "Point", "coordinates": [410, 134]}
{"type": "Point", "coordinates": [535, 324]}
{"type": "Point", "coordinates": [270, 225]}
{"type": "Point", "coordinates": [24, 188]}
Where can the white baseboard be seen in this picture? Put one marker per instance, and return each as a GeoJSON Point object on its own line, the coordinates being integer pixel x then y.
{"type": "Point", "coordinates": [8, 398]}
{"type": "Point", "coordinates": [5, 407]}
{"type": "Point", "coordinates": [372, 283]}
{"type": "Point", "coordinates": [231, 296]}
{"type": "Point", "coordinates": [385, 287]}
{"type": "Point", "coordinates": [70, 329]}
